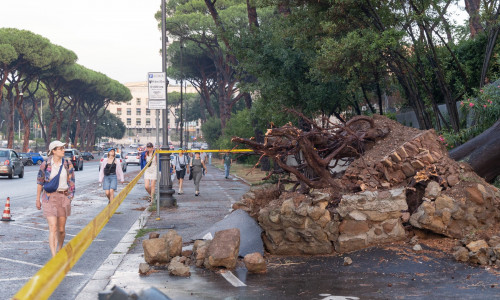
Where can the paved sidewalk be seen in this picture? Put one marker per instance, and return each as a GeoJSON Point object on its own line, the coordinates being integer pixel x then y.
{"type": "Point", "coordinates": [193, 215]}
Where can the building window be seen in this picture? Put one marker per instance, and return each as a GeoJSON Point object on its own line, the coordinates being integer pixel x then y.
{"type": "Point", "coordinates": [138, 101]}
{"type": "Point", "coordinates": [138, 122]}
{"type": "Point", "coordinates": [139, 130]}
{"type": "Point", "coordinates": [119, 111]}
{"type": "Point", "coordinates": [138, 111]}
{"type": "Point", "coordinates": [148, 121]}
{"type": "Point", "coordinates": [148, 112]}
{"type": "Point", "coordinates": [129, 111]}
{"type": "Point", "coordinates": [129, 121]}
{"type": "Point", "coordinates": [148, 130]}
{"type": "Point", "coordinates": [129, 103]}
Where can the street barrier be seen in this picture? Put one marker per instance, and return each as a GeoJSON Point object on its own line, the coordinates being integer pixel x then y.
{"type": "Point", "coordinates": [212, 151]}
{"type": "Point", "coordinates": [46, 280]}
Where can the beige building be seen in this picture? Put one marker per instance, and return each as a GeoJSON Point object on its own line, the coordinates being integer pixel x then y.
{"type": "Point", "coordinates": [141, 121]}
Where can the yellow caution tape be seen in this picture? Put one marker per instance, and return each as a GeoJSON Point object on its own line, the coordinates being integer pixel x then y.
{"type": "Point", "coordinates": [212, 151]}
{"type": "Point", "coordinates": [46, 280]}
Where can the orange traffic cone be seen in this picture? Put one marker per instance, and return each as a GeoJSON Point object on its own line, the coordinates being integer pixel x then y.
{"type": "Point", "coordinates": [6, 211]}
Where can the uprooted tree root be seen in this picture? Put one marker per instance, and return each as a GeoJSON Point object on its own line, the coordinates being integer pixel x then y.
{"type": "Point", "coordinates": [318, 150]}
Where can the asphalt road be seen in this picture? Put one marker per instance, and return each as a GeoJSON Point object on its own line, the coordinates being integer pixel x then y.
{"type": "Point", "coordinates": [24, 245]}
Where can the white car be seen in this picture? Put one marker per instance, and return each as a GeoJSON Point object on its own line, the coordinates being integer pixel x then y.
{"type": "Point", "coordinates": [133, 158]}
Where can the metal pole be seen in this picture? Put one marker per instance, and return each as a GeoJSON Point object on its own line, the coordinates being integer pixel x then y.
{"type": "Point", "coordinates": [166, 192]}
{"type": "Point", "coordinates": [181, 121]}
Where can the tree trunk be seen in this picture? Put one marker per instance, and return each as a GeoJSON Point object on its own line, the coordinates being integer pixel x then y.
{"type": "Point", "coordinates": [482, 153]}
{"type": "Point", "coordinates": [472, 8]}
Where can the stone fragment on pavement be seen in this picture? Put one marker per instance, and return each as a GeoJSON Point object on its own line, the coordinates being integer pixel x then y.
{"type": "Point", "coordinates": [347, 261]}
{"type": "Point", "coordinates": [144, 268]}
{"type": "Point", "coordinates": [178, 268]}
{"type": "Point", "coordinates": [462, 254]}
{"type": "Point", "coordinates": [223, 250]}
{"type": "Point", "coordinates": [475, 246]}
{"type": "Point", "coordinates": [255, 263]}
{"type": "Point", "coordinates": [200, 248]}
{"type": "Point", "coordinates": [155, 251]}
{"type": "Point", "coordinates": [417, 247]}
{"type": "Point", "coordinates": [174, 243]}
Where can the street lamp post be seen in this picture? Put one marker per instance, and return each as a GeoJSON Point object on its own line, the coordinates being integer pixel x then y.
{"type": "Point", "coordinates": [166, 192]}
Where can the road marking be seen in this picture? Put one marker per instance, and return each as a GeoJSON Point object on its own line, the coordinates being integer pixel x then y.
{"type": "Point", "coordinates": [42, 229]}
{"type": "Point", "coordinates": [33, 265]}
{"type": "Point", "coordinates": [229, 276]}
{"type": "Point", "coordinates": [332, 297]}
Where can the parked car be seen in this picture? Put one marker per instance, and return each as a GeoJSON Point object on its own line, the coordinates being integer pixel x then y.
{"type": "Point", "coordinates": [44, 155]}
{"type": "Point", "coordinates": [75, 157]}
{"type": "Point", "coordinates": [133, 158]}
{"type": "Point", "coordinates": [87, 155]}
{"type": "Point", "coordinates": [36, 158]}
{"type": "Point", "coordinates": [10, 163]}
{"type": "Point", "coordinates": [118, 156]}
{"type": "Point", "coordinates": [26, 159]}
{"type": "Point", "coordinates": [204, 146]}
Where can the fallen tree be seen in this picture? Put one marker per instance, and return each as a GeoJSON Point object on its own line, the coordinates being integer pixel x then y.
{"type": "Point", "coordinates": [320, 149]}
{"type": "Point", "coordinates": [482, 153]}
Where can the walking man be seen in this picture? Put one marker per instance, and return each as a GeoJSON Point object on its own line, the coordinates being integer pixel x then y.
{"type": "Point", "coordinates": [227, 163]}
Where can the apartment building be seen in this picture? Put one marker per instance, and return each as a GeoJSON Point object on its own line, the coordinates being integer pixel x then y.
{"type": "Point", "coordinates": [141, 121]}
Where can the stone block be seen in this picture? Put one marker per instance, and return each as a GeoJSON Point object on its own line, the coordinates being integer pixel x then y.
{"type": "Point", "coordinates": [288, 207]}
{"type": "Point", "coordinates": [417, 164]}
{"type": "Point", "coordinates": [174, 243]}
{"type": "Point", "coordinates": [432, 190]}
{"type": "Point", "coordinates": [224, 248]}
{"type": "Point", "coordinates": [352, 227]}
{"type": "Point", "coordinates": [155, 251]}
{"type": "Point", "coordinates": [407, 169]}
{"type": "Point", "coordinates": [291, 234]}
{"type": "Point", "coordinates": [350, 243]}
{"type": "Point", "coordinates": [255, 263]}
{"type": "Point", "coordinates": [475, 246]}
{"type": "Point", "coordinates": [461, 254]}
{"type": "Point", "coordinates": [176, 268]}
{"type": "Point", "coordinates": [315, 212]}
{"type": "Point", "coordinates": [474, 195]}
{"type": "Point", "coordinates": [444, 201]}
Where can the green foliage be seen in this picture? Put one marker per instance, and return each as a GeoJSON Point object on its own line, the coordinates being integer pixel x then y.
{"type": "Point", "coordinates": [211, 131]}
{"type": "Point", "coordinates": [483, 110]}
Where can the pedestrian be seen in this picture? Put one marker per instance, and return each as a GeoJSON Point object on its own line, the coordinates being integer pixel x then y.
{"type": "Point", "coordinates": [56, 189]}
{"type": "Point", "coordinates": [180, 168]}
{"type": "Point", "coordinates": [227, 163]}
{"type": "Point", "coordinates": [204, 158]}
{"type": "Point", "coordinates": [198, 166]}
{"type": "Point", "coordinates": [110, 171]}
{"type": "Point", "coordinates": [150, 175]}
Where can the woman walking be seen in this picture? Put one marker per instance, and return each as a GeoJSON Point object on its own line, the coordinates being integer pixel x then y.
{"type": "Point", "coordinates": [150, 176]}
{"type": "Point", "coordinates": [180, 168]}
{"type": "Point", "coordinates": [198, 166]}
{"type": "Point", "coordinates": [110, 171]}
{"type": "Point", "coordinates": [56, 189]}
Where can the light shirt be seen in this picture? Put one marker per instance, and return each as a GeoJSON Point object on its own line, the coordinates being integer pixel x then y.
{"type": "Point", "coordinates": [63, 178]}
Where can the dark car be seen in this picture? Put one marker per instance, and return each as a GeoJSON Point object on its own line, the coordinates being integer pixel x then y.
{"type": "Point", "coordinates": [75, 157]}
{"type": "Point", "coordinates": [87, 155]}
{"type": "Point", "coordinates": [26, 159]}
{"type": "Point", "coordinates": [36, 158]}
{"type": "Point", "coordinates": [10, 163]}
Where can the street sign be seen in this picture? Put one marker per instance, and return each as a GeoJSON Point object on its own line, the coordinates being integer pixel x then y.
{"type": "Point", "coordinates": [157, 83]}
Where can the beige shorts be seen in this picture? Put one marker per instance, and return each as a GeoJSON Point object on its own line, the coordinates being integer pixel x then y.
{"type": "Point", "coordinates": [59, 205]}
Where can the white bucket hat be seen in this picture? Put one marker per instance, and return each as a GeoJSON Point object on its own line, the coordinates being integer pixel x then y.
{"type": "Point", "coordinates": [54, 145]}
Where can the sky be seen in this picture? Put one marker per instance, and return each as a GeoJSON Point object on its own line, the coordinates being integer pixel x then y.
{"type": "Point", "coordinates": [118, 38]}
